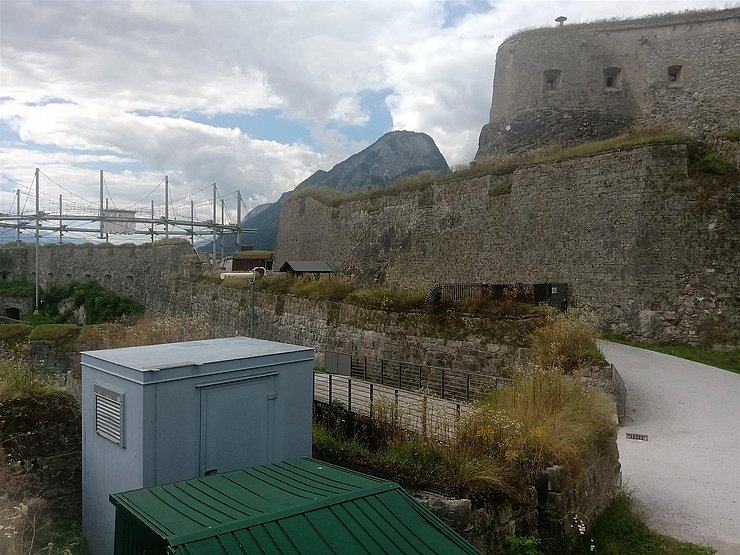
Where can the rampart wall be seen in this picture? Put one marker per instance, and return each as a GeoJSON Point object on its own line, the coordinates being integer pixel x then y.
{"type": "Point", "coordinates": [135, 271]}
{"type": "Point", "coordinates": [329, 326]}
{"type": "Point", "coordinates": [645, 247]}
{"type": "Point", "coordinates": [569, 84]}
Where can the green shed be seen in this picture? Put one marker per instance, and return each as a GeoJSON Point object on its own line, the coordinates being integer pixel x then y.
{"type": "Point", "coordinates": [301, 506]}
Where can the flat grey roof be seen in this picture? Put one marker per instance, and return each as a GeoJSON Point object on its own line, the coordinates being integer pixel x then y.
{"type": "Point", "coordinates": [193, 353]}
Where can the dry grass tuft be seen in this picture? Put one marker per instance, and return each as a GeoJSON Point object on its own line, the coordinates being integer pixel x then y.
{"type": "Point", "coordinates": [544, 418]}
{"type": "Point", "coordinates": [145, 330]}
{"type": "Point", "coordinates": [17, 379]}
{"type": "Point", "coordinates": [565, 342]}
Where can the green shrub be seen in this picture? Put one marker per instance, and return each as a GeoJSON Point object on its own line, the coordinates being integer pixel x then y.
{"type": "Point", "coordinates": [327, 443]}
{"type": "Point", "coordinates": [277, 283]}
{"type": "Point", "coordinates": [55, 332]}
{"type": "Point", "coordinates": [101, 305]}
{"type": "Point", "coordinates": [14, 332]}
{"type": "Point", "coordinates": [619, 531]}
{"type": "Point", "coordinates": [713, 164]}
{"type": "Point", "coordinates": [387, 298]}
{"type": "Point", "coordinates": [17, 288]}
{"type": "Point", "coordinates": [324, 289]}
{"type": "Point", "coordinates": [18, 380]}
{"type": "Point", "coordinates": [731, 135]}
{"type": "Point", "coordinates": [565, 342]}
{"type": "Point", "coordinates": [523, 545]}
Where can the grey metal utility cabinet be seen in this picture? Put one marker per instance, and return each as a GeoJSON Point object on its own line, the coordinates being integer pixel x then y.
{"type": "Point", "coordinates": [164, 413]}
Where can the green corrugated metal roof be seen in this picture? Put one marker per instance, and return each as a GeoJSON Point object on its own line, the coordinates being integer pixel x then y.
{"type": "Point", "coordinates": [300, 506]}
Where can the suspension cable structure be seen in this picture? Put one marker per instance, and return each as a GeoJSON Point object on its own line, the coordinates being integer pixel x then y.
{"type": "Point", "coordinates": [86, 218]}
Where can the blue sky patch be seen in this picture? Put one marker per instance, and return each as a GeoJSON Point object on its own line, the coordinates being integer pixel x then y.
{"type": "Point", "coordinates": [455, 10]}
{"type": "Point", "coordinates": [380, 122]}
{"type": "Point", "coordinates": [266, 125]}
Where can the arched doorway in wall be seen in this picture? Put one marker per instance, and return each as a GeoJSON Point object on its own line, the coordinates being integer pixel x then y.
{"type": "Point", "coordinates": [13, 312]}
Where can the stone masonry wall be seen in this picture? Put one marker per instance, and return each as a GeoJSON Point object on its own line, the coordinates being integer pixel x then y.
{"type": "Point", "coordinates": [135, 271]}
{"type": "Point", "coordinates": [561, 505]}
{"type": "Point", "coordinates": [645, 247]}
{"type": "Point", "coordinates": [342, 328]}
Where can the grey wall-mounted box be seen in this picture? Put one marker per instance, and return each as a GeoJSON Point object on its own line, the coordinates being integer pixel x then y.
{"type": "Point", "coordinates": [163, 413]}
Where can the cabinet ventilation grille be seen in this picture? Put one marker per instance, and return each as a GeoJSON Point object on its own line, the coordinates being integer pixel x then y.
{"type": "Point", "coordinates": [109, 414]}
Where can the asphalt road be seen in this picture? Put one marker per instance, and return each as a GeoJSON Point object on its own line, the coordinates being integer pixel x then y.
{"type": "Point", "coordinates": [686, 477]}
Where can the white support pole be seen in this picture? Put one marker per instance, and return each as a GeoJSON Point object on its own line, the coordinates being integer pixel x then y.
{"type": "Point", "coordinates": [38, 223]}
{"type": "Point", "coordinates": [238, 220]}
{"type": "Point", "coordinates": [152, 221]}
{"type": "Point", "coordinates": [192, 219]}
{"type": "Point", "coordinates": [223, 207]}
{"type": "Point", "coordinates": [166, 206]}
{"type": "Point", "coordinates": [213, 234]}
{"type": "Point", "coordinates": [60, 221]}
{"type": "Point", "coordinates": [101, 204]}
{"type": "Point", "coordinates": [18, 214]}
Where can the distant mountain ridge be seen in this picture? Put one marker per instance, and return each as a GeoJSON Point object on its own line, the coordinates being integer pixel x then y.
{"type": "Point", "coordinates": [396, 154]}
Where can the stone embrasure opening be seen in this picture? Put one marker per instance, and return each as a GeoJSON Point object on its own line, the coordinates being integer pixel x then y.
{"type": "Point", "coordinates": [612, 78]}
{"type": "Point", "coordinates": [552, 80]}
{"type": "Point", "coordinates": [674, 76]}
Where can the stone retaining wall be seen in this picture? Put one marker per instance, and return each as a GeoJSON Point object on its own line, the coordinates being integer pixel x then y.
{"type": "Point", "coordinates": [646, 247]}
{"type": "Point", "coordinates": [560, 507]}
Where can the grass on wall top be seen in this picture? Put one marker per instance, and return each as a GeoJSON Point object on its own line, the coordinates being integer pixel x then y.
{"type": "Point", "coordinates": [730, 135]}
{"type": "Point", "coordinates": [682, 16]}
{"type": "Point", "coordinates": [499, 165]}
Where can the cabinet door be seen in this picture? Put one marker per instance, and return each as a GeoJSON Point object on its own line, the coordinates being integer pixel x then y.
{"type": "Point", "coordinates": [237, 424]}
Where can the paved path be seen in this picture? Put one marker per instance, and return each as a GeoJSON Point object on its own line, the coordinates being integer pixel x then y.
{"type": "Point", "coordinates": [686, 477]}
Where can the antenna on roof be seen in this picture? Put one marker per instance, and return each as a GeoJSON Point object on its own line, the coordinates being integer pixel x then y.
{"type": "Point", "coordinates": [560, 19]}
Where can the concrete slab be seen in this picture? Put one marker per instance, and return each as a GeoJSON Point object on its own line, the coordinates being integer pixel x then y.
{"type": "Point", "coordinates": [686, 476]}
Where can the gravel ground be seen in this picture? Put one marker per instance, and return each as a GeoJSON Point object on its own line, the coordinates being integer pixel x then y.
{"type": "Point", "coordinates": [686, 476]}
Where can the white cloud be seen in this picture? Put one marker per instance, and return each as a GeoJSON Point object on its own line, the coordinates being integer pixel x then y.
{"type": "Point", "coordinates": [131, 74]}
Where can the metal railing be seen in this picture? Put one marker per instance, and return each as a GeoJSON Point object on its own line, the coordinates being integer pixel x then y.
{"type": "Point", "coordinates": [620, 393]}
{"type": "Point", "coordinates": [417, 411]}
{"type": "Point", "coordinates": [445, 383]}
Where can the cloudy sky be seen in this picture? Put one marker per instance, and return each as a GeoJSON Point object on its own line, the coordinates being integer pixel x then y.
{"type": "Point", "coordinates": [254, 96]}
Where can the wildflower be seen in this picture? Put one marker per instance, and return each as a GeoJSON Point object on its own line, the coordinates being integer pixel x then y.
{"type": "Point", "coordinates": [511, 455]}
{"type": "Point", "coordinates": [578, 523]}
{"type": "Point", "coordinates": [537, 432]}
{"type": "Point", "coordinates": [486, 432]}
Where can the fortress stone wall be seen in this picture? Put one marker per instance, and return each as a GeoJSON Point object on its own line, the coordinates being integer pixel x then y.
{"type": "Point", "coordinates": [645, 247]}
{"type": "Point", "coordinates": [564, 85]}
{"type": "Point", "coordinates": [135, 271]}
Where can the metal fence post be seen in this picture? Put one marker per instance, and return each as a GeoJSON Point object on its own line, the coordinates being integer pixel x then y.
{"type": "Point", "coordinates": [330, 384]}
{"type": "Point", "coordinates": [400, 370]}
{"type": "Point", "coordinates": [364, 375]}
{"type": "Point", "coordinates": [467, 387]}
{"type": "Point", "coordinates": [349, 394]}
{"type": "Point", "coordinates": [371, 402]}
